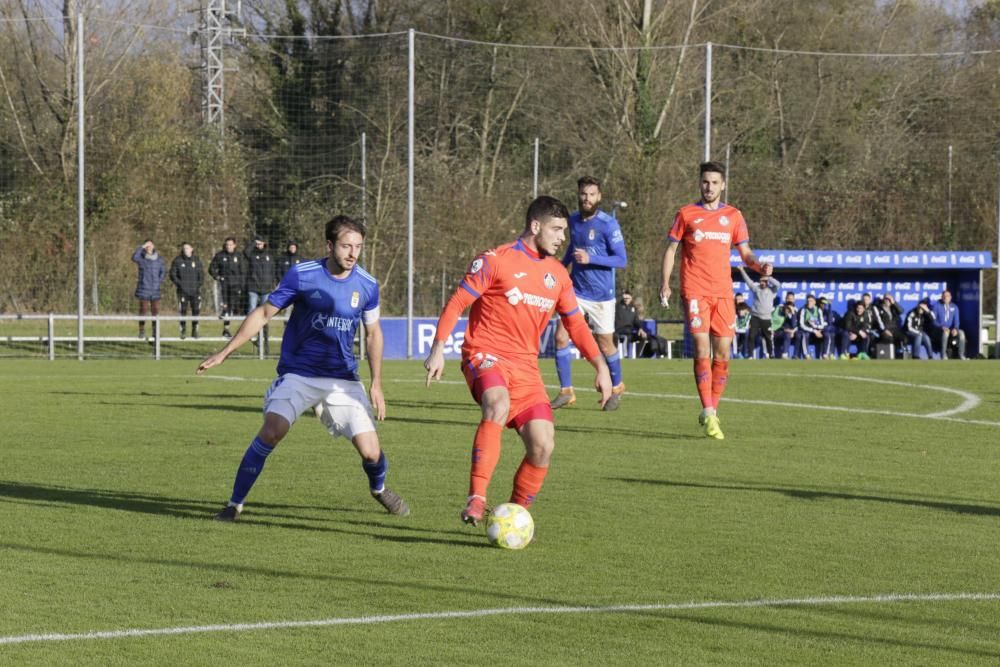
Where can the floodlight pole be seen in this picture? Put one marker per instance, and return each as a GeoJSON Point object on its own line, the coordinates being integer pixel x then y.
{"type": "Point", "coordinates": [708, 101]}
{"type": "Point", "coordinates": [534, 189]}
{"type": "Point", "coordinates": [79, 179]}
{"type": "Point", "coordinates": [410, 122]}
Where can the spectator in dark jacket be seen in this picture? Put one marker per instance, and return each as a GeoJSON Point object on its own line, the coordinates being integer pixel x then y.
{"type": "Point", "coordinates": [857, 329]}
{"type": "Point", "coordinates": [833, 320]}
{"type": "Point", "coordinates": [889, 314]}
{"type": "Point", "coordinates": [187, 273]}
{"type": "Point", "coordinates": [628, 327]}
{"type": "Point", "coordinates": [289, 259]}
{"type": "Point", "coordinates": [228, 267]}
{"type": "Point", "coordinates": [260, 272]}
{"type": "Point", "coordinates": [917, 321]}
{"type": "Point", "coordinates": [152, 271]}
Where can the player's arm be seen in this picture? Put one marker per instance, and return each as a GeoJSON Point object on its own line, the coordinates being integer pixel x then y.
{"type": "Point", "coordinates": [581, 336]}
{"type": "Point", "coordinates": [568, 255]}
{"type": "Point", "coordinates": [251, 326]}
{"type": "Point", "coordinates": [460, 299]}
{"type": "Point", "coordinates": [375, 348]}
{"type": "Point", "coordinates": [750, 259]}
{"type": "Point", "coordinates": [614, 243]}
{"type": "Point", "coordinates": [669, 256]}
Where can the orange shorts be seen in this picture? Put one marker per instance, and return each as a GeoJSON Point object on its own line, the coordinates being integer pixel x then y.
{"type": "Point", "coordinates": [715, 315]}
{"type": "Point", "coordinates": [528, 398]}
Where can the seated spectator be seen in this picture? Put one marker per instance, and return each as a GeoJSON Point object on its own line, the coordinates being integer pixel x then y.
{"type": "Point", "coordinates": [628, 327]}
{"type": "Point", "coordinates": [742, 340]}
{"type": "Point", "coordinates": [889, 314]}
{"type": "Point", "coordinates": [856, 328]}
{"type": "Point", "coordinates": [917, 321]}
{"type": "Point", "coordinates": [810, 330]}
{"type": "Point", "coordinates": [946, 326]}
{"type": "Point", "coordinates": [833, 320]}
{"type": "Point", "coordinates": [788, 329]}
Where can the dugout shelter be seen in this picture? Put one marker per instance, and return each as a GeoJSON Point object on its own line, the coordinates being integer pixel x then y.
{"type": "Point", "coordinates": [842, 276]}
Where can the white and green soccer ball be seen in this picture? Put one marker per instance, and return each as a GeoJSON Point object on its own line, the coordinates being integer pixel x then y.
{"type": "Point", "coordinates": [510, 526]}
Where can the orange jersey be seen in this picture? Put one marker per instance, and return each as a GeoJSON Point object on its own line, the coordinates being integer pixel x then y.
{"type": "Point", "coordinates": [706, 238]}
{"type": "Point", "coordinates": [515, 292]}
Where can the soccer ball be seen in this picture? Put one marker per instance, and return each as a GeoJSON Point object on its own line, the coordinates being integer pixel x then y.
{"type": "Point", "coordinates": [510, 526]}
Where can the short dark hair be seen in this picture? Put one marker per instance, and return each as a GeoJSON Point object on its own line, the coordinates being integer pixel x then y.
{"type": "Point", "coordinates": [588, 180]}
{"type": "Point", "coordinates": [717, 167]}
{"type": "Point", "coordinates": [543, 207]}
{"type": "Point", "coordinates": [339, 223]}
{"type": "Point", "coordinates": [228, 239]}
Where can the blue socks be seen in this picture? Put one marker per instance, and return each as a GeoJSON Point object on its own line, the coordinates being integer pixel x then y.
{"type": "Point", "coordinates": [249, 470]}
{"type": "Point", "coordinates": [376, 473]}
{"type": "Point", "coordinates": [563, 368]}
{"type": "Point", "coordinates": [615, 366]}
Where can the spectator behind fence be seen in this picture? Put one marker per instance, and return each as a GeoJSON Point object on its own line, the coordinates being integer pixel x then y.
{"type": "Point", "coordinates": [228, 267]}
{"type": "Point", "coordinates": [765, 291]}
{"type": "Point", "coordinates": [946, 326]}
{"type": "Point", "coordinates": [187, 273]}
{"type": "Point", "coordinates": [889, 313]}
{"type": "Point", "coordinates": [917, 321]}
{"type": "Point", "coordinates": [289, 259]}
{"type": "Point", "coordinates": [260, 272]}
{"type": "Point", "coordinates": [742, 340]}
{"type": "Point", "coordinates": [857, 329]}
{"type": "Point", "coordinates": [152, 271]}
{"type": "Point", "coordinates": [812, 327]}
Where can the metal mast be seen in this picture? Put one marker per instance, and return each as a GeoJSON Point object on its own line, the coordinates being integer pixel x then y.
{"type": "Point", "coordinates": [215, 18]}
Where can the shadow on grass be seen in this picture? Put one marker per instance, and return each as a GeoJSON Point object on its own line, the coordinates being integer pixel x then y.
{"type": "Point", "coordinates": [808, 494]}
{"type": "Point", "coordinates": [863, 640]}
{"type": "Point", "coordinates": [254, 570]}
{"type": "Point", "coordinates": [261, 514]}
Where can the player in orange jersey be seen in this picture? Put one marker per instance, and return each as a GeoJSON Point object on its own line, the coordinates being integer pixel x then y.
{"type": "Point", "coordinates": [707, 230]}
{"type": "Point", "coordinates": [513, 291]}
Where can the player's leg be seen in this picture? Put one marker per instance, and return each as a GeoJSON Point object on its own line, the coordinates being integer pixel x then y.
{"type": "Point", "coordinates": [376, 467]}
{"type": "Point", "coordinates": [698, 316]}
{"type": "Point", "coordinates": [488, 383]}
{"type": "Point", "coordinates": [723, 318]}
{"type": "Point", "coordinates": [564, 369]}
{"type": "Point", "coordinates": [531, 416]}
{"type": "Point", "coordinates": [601, 315]}
{"type": "Point", "coordinates": [284, 401]}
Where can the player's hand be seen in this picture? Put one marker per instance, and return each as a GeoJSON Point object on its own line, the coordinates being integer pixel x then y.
{"type": "Point", "coordinates": [581, 256]}
{"type": "Point", "coordinates": [378, 401]}
{"type": "Point", "coordinates": [211, 361]}
{"type": "Point", "coordinates": [602, 383]}
{"type": "Point", "coordinates": [665, 296]}
{"type": "Point", "coordinates": [434, 364]}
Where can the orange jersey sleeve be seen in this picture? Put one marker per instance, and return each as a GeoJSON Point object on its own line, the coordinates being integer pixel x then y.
{"type": "Point", "coordinates": [706, 238]}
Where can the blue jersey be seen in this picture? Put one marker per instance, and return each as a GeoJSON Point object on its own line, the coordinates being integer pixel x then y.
{"type": "Point", "coordinates": [319, 338]}
{"type": "Point", "coordinates": [602, 238]}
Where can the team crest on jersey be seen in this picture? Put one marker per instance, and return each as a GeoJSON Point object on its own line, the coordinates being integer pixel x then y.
{"type": "Point", "coordinates": [723, 220]}
{"type": "Point", "coordinates": [355, 299]}
{"type": "Point", "coordinates": [695, 322]}
{"type": "Point", "coordinates": [476, 265]}
{"type": "Point", "coordinates": [592, 235]}
{"type": "Point", "coordinates": [549, 280]}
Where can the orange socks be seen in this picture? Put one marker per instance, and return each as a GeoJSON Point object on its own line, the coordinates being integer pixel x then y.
{"type": "Point", "coordinates": [527, 483]}
{"type": "Point", "coordinates": [485, 454]}
{"type": "Point", "coordinates": [703, 381]}
{"type": "Point", "coordinates": [720, 375]}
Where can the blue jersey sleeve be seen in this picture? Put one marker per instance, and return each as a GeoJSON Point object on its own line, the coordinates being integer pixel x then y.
{"type": "Point", "coordinates": [615, 244]}
{"type": "Point", "coordinates": [285, 292]}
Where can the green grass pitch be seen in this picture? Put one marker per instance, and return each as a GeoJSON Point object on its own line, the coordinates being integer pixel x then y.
{"type": "Point", "coordinates": [842, 480]}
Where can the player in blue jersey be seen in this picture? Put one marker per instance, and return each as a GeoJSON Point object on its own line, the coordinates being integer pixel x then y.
{"type": "Point", "coordinates": [317, 365]}
{"type": "Point", "coordinates": [596, 248]}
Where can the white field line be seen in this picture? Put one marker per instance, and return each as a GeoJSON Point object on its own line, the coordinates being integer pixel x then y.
{"type": "Point", "coordinates": [504, 611]}
{"type": "Point", "coordinates": [970, 400]}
